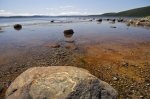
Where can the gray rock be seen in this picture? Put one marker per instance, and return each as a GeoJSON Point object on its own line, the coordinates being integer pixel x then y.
{"type": "Point", "coordinates": [59, 82]}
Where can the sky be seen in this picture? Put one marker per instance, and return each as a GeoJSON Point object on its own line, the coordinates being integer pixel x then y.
{"type": "Point", "coordinates": [67, 7]}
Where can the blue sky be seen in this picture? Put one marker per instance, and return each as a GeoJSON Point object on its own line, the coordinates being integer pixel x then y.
{"type": "Point", "coordinates": [67, 7]}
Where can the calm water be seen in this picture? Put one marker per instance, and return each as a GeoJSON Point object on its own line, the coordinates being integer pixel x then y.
{"type": "Point", "coordinates": [39, 32]}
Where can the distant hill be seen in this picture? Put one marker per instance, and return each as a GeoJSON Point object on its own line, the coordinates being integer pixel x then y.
{"type": "Point", "coordinates": [138, 12]}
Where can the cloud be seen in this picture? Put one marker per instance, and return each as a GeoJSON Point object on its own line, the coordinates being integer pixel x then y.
{"type": "Point", "coordinates": [62, 10]}
{"type": "Point", "coordinates": [69, 10]}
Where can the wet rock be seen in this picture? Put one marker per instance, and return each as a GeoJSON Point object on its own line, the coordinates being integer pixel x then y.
{"type": "Point", "coordinates": [108, 19]}
{"type": "Point", "coordinates": [68, 32]}
{"type": "Point", "coordinates": [99, 20]}
{"type": "Point", "coordinates": [128, 24]}
{"type": "Point", "coordinates": [1, 30]}
{"type": "Point", "coordinates": [52, 21]}
{"type": "Point", "coordinates": [131, 21]}
{"type": "Point", "coordinates": [120, 20]}
{"type": "Point", "coordinates": [54, 45]}
{"type": "Point", "coordinates": [113, 20]}
{"type": "Point", "coordinates": [59, 82]}
{"type": "Point", "coordinates": [137, 23]}
{"type": "Point", "coordinates": [71, 46]}
{"type": "Point", "coordinates": [17, 26]}
{"type": "Point", "coordinates": [113, 27]}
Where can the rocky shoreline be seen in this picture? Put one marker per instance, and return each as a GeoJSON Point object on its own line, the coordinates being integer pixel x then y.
{"type": "Point", "coordinates": [126, 68]}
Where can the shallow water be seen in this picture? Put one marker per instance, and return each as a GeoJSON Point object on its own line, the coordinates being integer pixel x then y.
{"type": "Point", "coordinates": [85, 32]}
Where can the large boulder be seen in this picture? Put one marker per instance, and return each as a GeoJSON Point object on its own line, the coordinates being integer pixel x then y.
{"type": "Point", "coordinates": [59, 82]}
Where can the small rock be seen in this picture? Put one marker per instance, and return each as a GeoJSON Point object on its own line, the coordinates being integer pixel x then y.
{"type": "Point", "coordinates": [137, 23]}
{"type": "Point", "coordinates": [115, 78]}
{"type": "Point", "coordinates": [71, 46]}
{"type": "Point", "coordinates": [107, 19]}
{"type": "Point", "coordinates": [99, 20]}
{"type": "Point", "coordinates": [148, 84]}
{"type": "Point", "coordinates": [17, 26]}
{"type": "Point", "coordinates": [125, 64]}
{"type": "Point", "coordinates": [68, 32]}
{"type": "Point", "coordinates": [113, 27]}
{"type": "Point", "coordinates": [114, 20]}
{"type": "Point", "coordinates": [120, 20]}
{"type": "Point", "coordinates": [55, 45]}
{"type": "Point", "coordinates": [141, 96]}
{"type": "Point", "coordinates": [131, 21]}
{"type": "Point", "coordinates": [52, 21]}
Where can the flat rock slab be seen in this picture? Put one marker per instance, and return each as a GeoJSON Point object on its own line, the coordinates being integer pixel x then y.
{"type": "Point", "coordinates": [59, 82]}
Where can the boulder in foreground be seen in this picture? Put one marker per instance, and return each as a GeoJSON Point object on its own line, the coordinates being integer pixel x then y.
{"type": "Point", "coordinates": [59, 82]}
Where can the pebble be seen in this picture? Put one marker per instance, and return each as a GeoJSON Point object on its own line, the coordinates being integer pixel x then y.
{"type": "Point", "coordinates": [125, 64]}
{"type": "Point", "coordinates": [141, 97]}
{"type": "Point", "coordinates": [54, 45]}
{"type": "Point", "coordinates": [147, 84]}
{"type": "Point", "coordinates": [115, 78]}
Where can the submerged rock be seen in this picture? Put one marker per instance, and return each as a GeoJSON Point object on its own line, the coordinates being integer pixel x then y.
{"type": "Point", "coordinates": [17, 26]}
{"type": "Point", "coordinates": [113, 27]}
{"type": "Point", "coordinates": [71, 46]}
{"type": "Point", "coordinates": [54, 45]}
{"type": "Point", "coordinates": [59, 82]}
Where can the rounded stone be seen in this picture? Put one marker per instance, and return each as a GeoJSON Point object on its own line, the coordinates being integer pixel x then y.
{"type": "Point", "coordinates": [59, 82]}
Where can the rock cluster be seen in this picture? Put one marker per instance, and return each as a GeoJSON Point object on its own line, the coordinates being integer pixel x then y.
{"type": "Point", "coordinates": [139, 22]}
{"type": "Point", "coordinates": [59, 82]}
